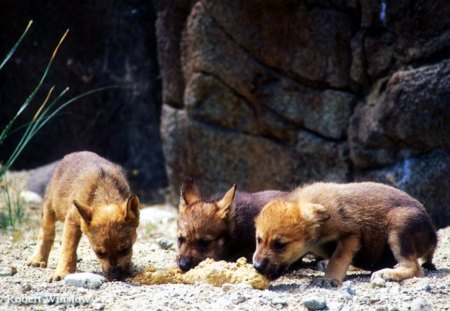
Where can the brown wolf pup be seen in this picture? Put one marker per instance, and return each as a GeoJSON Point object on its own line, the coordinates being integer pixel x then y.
{"type": "Point", "coordinates": [90, 195]}
{"type": "Point", "coordinates": [368, 225]}
{"type": "Point", "coordinates": [221, 229]}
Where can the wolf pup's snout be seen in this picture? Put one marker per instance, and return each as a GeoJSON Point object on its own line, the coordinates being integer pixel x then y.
{"type": "Point", "coordinates": [185, 264]}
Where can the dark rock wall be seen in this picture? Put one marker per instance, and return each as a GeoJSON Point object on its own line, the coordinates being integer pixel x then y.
{"type": "Point", "coordinates": [109, 43]}
{"type": "Point", "coordinates": [266, 94]}
{"type": "Point", "coordinates": [272, 94]}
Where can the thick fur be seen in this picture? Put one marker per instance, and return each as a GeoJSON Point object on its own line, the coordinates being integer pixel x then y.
{"type": "Point", "coordinates": [221, 228]}
{"type": "Point", "coordinates": [91, 196]}
{"type": "Point", "coordinates": [369, 225]}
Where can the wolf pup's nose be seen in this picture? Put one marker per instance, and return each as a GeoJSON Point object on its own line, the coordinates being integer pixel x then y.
{"type": "Point", "coordinates": [260, 266]}
{"type": "Point", "coordinates": [115, 274]}
{"type": "Point", "coordinates": [184, 264]}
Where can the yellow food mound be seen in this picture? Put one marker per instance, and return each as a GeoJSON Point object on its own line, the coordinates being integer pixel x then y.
{"type": "Point", "coordinates": [208, 271]}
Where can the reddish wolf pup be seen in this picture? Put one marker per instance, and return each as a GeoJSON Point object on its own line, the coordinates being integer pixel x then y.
{"type": "Point", "coordinates": [368, 225]}
{"type": "Point", "coordinates": [220, 228]}
{"type": "Point", "coordinates": [90, 195]}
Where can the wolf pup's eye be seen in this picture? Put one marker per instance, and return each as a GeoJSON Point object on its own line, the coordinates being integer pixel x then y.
{"type": "Point", "coordinates": [180, 240]}
{"type": "Point", "coordinates": [124, 251]}
{"type": "Point", "coordinates": [204, 243]}
{"type": "Point", "coordinates": [278, 245]}
{"type": "Point", "coordinates": [258, 240]}
{"type": "Point", "coordinates": [100, 254]}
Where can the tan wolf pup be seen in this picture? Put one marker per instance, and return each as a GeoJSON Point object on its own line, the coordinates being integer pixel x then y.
{"type": "Point", "coordinates": [368, 225]}
{"type": "Point", "coordinates": [90, 195]}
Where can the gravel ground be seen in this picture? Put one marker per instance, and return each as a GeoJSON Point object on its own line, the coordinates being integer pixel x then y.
{"type": "Point", "coordinates": [29, 289]}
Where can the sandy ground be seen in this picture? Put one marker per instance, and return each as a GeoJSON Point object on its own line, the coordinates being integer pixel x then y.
{"type": "Point", "coordinates": [29, 289]}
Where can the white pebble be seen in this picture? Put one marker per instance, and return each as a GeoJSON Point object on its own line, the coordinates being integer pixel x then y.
{"type": "Point", "coordinates": [314, 303]}
{"type": "Point", "coordinates": [378, 282]}
{"type": "Point", "coordinates": [85, 280]}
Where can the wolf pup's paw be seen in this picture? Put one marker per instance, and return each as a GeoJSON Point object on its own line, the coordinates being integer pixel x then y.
{"type": "Point", "coordinates": [326, 282]}
{"type": "Point", "coordinates": [58, 276]}
{"type": "Point", "coordinates": [37, 263]}
{"type": "Point", "coordinates": [385, 274]}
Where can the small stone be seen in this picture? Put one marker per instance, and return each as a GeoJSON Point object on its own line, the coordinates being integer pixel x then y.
{"type": "Point", "coordinates": [243, 287]}
{"type": "Point", "coordinates": [334, 306]}
{"type": "Point", "coordinates": [227, 287]}
{"type": "Point", "coordinates": [81, 290]}
{"type": "Point", "coordinates": [381, 308]}
{"type": "Point", "coordinates": [165, 243]}
{"type": "Point", "coordinates": [279, 301]}
{"type": "Point", "coordinates": [349, 289]}
{"type": "Point", "coordinates": [85, 280]}
{"type": "Point", "coordinates": [31, 197]}
{"type": "Point", "coordinates": [239, 299]}
{"type": "Point", "coordinates": [98, 306]}
{"type": "Point", "coordinates": [378, 282]}
{"type": "Point", "coordinates": [25, 288]}
{"type": "Point", "coordinates": [426, 287]}
{"type": "Point", "coordinates": [314, 303]}
{"type": "Point", "coordinates": [279, 306]}
{"type": "Point", "coordinates": [420, 304]}
{"type": "Point", "coordinates": [6, 270]}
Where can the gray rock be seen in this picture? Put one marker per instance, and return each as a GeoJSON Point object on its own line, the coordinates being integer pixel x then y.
{"type": "Point", "coordinates": [420, 304]}
{"type": "Point", "coordinates": [38, 178]}
{"type": "Point", "coordinates": [239, 299]}
{"type": "Point", "coordinates": [334, 306]}
{"type": "Point", "coordinates": [314, 303]}
{"type": "Point", "coordinates": [378, 282]}
{"type": "Point", "coordinates": [98, 306]}
{"type": "Point", "coordinates": [165, 243]}
{"type": "Point", "coordinates": [25, 287]}
{"type": "Point", "coordinates": [427, 287]}
{"type": "Point", "coordinates": [279, 303]}
{"type": "Point", "coordinates": [85, 280]}
{"type": "Point", "coordinates": [349, 289]}
{"type": "Point", "coordinates": [226, 287]}
{"type": "Point", "coordinates": [31, 197]}
{"type": "Point", "coordinates": [6, 270]}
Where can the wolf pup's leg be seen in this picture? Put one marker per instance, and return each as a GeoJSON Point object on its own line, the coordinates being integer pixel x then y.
{"type": "Point", "coordinates": [67, 262]}
{"type": "Point", "coordinates": [339, 262]}
{"type": "Point", "coordinates": [46, 238]}
{"type": "Point", "coordinates": [403, 251]}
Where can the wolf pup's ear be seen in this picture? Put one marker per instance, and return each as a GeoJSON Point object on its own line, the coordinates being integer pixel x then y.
{"type": "Point", "coordinates": [132, 207]}
{"type": "Point", "coordinates": [314, 212]}
{"type": "Point", "coordinates": [226, 202]}
{"type": "Point", "coordinates": [189, 194]}
{"type": "Point", "coordinates": [84, 210]}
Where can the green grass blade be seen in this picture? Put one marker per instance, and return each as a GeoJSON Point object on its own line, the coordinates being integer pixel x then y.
{"type": "Point", "coordinates": [75, 98]}
{"type": "Point", "coordinates": [14, 48]}
{"type": "Point", "coordinates": [35, 90]}
{"type": "Point", "coordinates": [47, 114]}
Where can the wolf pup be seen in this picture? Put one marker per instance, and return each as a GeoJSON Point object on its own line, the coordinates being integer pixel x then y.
{"type": "Point", "coordinates": [90, 195]}
{"type": "Point", "coordinates": [221, 229]}
{"type": "Point", "coordinates": [369, 225]}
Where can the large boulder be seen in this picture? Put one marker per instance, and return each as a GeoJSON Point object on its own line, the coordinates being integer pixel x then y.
{"type": "Point", "coordinates": [272, 94]}
{"type": "Point", "coordinates": [408, 113]}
